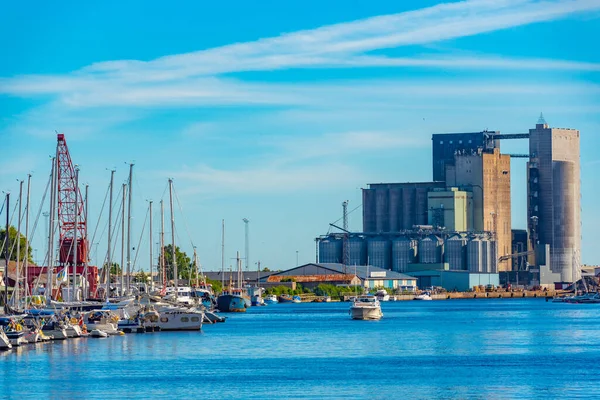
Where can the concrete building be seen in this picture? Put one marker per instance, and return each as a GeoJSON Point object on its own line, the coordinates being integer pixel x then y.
{"type": "Point", "coordinates": [450, 208]}
{"type": "Point", "coordinates": [487, 175]}
{"type": "Point", "coordinates": [311, 275]}
{"type": "Point", "coordinates": [554, 198]}
{"type": "Point", "coordinates": [445, 146]}
{"type": "Point", "coordinates": [392, 207]}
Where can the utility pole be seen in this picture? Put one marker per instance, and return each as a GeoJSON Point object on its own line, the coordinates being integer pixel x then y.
{"type": "Point", "coordinates": [246, 221]}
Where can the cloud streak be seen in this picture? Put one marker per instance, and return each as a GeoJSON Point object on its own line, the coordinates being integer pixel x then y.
{"type": "Point", "coordinates": [197, 77]}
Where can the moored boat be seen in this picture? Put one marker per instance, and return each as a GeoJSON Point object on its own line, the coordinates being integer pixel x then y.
{"type": "Point", "coordinates": [4, 341]}
{"type": "Point", "coordinates": [232, 300]}
{"type": "Point", "coordinates": [97, 333]}
{"type": "Point", "coordinates": [366, 308]}
{"type": "Point", "coordinates": [382, 295]}
{"type": "Point", "coordinates": [423, 296]}
{"type": "Point", "coordinates": [285, 298]}
{"type": "Point", "coordinates": [180, 320]}
{"type": "Point", "coordinates": [271, 299]}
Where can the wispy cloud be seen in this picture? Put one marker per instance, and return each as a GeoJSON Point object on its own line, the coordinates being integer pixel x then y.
{"type": "Point", "coordinates": [196, 77]}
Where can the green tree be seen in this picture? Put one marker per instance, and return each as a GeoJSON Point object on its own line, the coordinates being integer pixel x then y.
{"type": "Point", "coordinates": [216, 285]}
{"type": "Point", "coordinates": [184, 263]}
{"type": "Point", "coordinates": [142, 277]}
{"type": "Point", "coordinates": [12, 245]}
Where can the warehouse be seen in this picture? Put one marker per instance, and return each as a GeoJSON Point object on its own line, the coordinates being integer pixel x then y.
{"type": "Point", "coordinates": [369, 277]}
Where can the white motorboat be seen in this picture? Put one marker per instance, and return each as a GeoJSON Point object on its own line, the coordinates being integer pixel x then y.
{"type": "Point", "coordinates": [423, 296]}
{"type": "Point", "coordinates": [366, 308]}
{"type": "Point", "coordinates": [103, 320]}
{"type": "Point", "coordinates": [180, 320]}
{"type": "Point", "coordinates": [4, 341]}
{"type": "Point", "coordinates": [97, 333]}
{"type": "Point", "coordinates": [271, 299]}
{"type": "Point", "coordinates": [382, 295]}
{"type": "Point", "coordinates": [184, 295]}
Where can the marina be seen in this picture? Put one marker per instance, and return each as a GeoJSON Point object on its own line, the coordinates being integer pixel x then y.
{"type": "Point", "coordinates": [313, 350]}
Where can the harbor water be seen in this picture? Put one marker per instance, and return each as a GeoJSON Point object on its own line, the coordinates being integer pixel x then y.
{"type": "Point", "coordinates": [487, 349]}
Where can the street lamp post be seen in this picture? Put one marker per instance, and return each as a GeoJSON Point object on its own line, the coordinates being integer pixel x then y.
{"type": "Point", "coordinates": [297, 264]}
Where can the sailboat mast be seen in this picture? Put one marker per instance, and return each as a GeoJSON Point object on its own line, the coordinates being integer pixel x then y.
{"type": "Point", "coordinates": [26, 268]}
{"type": "Point", "coordinates": [18, 277]}
{"type": "Point", "coordinates": [6, 251]}
{"type": "Point", "coordinates": [74, 245]}
{"type": "Point", "coordinates": [174, 260]}
{"type": "Point", "coordinates": [50, 268]}
{"type": "Point", "coordinates": [109, 254]}
{"type": "Point", "coordinates": [196, 265]}
{"type": "Point", "coordinates": [239, 266]}
{"type": "Point", "coordinates": [222, 253]}
{"type": "Point", "coordinates": [151, 255]}
{"type": "Point", "coordinates": [123, 239]}
{"type": "Point", "coordinates": [129, 229]}
{"type": "Point", "coordinates": [85, 241]}
{"type": "Point", "coordinates": [162, 245]}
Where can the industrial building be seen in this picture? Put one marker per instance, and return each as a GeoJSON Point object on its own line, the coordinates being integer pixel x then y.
{"type": "Point", "coordinates": [426, 247]}
{"type": "Point", "coordinates": [554, 199]}
{"type": "Point", "coordinates": [463, 217]}
{"type": "Point", "coordinates": [367, 276]}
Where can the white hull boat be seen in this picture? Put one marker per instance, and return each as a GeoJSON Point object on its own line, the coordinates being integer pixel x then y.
{"type": "Point", "coordinates": [57, 334]}
{"type": "Point", "coordinates": [382, 295]}
{"type": "Point", "coordinates": [97, 333]}
{"type": "Point", "coordinates": [73, 331]}
{"type": "Point", "coordinates": [366, 308]}
{"type": "Point", "coordinates": [4, 341]}
{"type": "Point", "coordinates": [180, 320]}
{"type": "Point", "coordinates": [423, 296]}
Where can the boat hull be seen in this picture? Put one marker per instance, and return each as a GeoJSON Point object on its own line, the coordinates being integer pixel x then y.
{"type": "Point", "coordinates": [180, 321]}
{"type": "Point", "coordinates": [231, 303]}
{"type": "Point", "coordinates": [4, 341]}
{"type": "Point", "coordinates": [56, 333]}
{"type": "Point", "coordinates": [366, 313]}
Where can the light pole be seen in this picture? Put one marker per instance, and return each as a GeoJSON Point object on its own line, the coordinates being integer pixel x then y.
{"type": "Point", "coordinates": [297, 264]}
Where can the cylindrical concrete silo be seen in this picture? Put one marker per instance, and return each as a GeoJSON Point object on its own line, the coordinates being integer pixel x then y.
{"type": "Point", "coordinates": [379, 252]}
{"type": "Point", "coordinates": [403, 253]}
{"type": "Point", "coordinates": [330, 250]}
{"type": "Point", "coordinates": [454, 252]}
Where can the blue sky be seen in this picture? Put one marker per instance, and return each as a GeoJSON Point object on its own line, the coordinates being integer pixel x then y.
{"type": "Point", "coordinates": [279, 111]}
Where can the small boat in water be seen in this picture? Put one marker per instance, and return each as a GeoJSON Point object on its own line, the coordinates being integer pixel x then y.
{"type": "Point", "coordinates": [366, 308]}
{"type": "Point", "coordinates": [382, 295]}
{"type": "Point", "coordinates": [296, 299]}
{"type": "Point", "coordinates": [423, 296]}
{"type": "Point", "coordinates": [285, 298]}
{"type": "Point", "coordinates": [271, 299]}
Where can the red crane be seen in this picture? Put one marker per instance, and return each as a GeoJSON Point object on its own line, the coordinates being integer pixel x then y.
{"type": "Point", "coordinates": [68, 195]}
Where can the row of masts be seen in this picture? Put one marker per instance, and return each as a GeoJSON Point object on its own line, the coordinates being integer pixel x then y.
{"type": "Point", "coordinates": [72, 258]}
